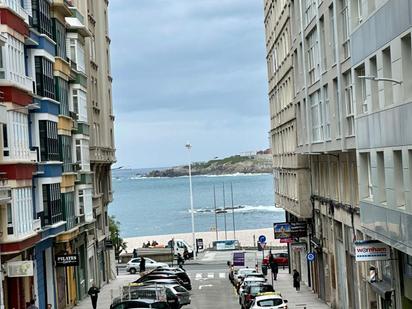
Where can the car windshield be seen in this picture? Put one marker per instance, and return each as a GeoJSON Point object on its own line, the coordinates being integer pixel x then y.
{"type": "Point", "coordinates": [260, 289]}
{"type": "Point", "coordinates": [246, 271]}
{"type": "Point", "coordinates": [270, 302]}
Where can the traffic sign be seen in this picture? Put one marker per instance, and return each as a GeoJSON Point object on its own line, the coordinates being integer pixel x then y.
{"type": "Point", "coordinates": [262, 239]}
{"type": "Point", "coordinates": [311, 256]}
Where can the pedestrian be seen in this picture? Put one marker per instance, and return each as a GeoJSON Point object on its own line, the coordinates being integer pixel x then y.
{"type": "Point", "coordinates": [296, 280]}
{"type": "Point", "coordinates": [32, 305]}
{"type": "Point", "coordinates": [49, 306]}
{"type": "Point", "coordinates": [186, 254]}
{"type": "Point", "coordinates": [134, 253]}
{"type": "Point", "coordinates": [274, 267]}
{"type": "Point", "coordinates": [142, 264]}
{"type": "Point", "coordinates": [180, 261]}
{"type": "Point", "coordinates": [93, 292]}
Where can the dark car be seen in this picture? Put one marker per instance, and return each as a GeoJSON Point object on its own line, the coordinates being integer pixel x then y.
{"type": "Point", "coordinates": [140, 303]}
{"type": "Point", "coordinates": [180, 274]}
{"type": "Point", "coordinates": [282, 259]}
{"type": "Point", "coordinates": [153, 276]}
{"type": "Point", "coordinates": [250, 292]}
{"type": "Point", "coordinates": [176, 295]}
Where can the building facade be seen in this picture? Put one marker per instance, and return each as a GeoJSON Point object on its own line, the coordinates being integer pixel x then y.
{"type": "Point", "coordinates": [46, 179]}
{"type": "Point", "coordinates": [290, 169]}
{"type": "Point", "coordinates": [384, 142]}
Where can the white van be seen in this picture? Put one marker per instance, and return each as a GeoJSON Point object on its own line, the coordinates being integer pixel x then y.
{"type": "Point", "coordinates": [179, 246]}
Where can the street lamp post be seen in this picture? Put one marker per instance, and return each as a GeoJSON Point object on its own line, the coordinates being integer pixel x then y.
{"type": "Point", "coordinates": [189, 147]}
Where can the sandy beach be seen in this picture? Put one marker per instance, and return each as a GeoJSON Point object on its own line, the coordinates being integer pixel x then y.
{"type": "Point", "coordinates": [245, 237]}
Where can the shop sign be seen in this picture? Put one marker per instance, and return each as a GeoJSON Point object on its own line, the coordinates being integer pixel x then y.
{"type": "Point", "coordinates": [20, 269]}
{"type": "Point", "coordinates": [238, 259]}
{"type": "Point", "coordinates": [371, 250]}
{"type": "Point", "coordinates": [199, 243]}
{"type": "Point", "coordinates": [298, 247]}
{"type": "Point", "coordinates": [290, 230]}
{"type": "Point", "coordinates": [282, 230]}
{"type": "Point", "coordinates": [67, 260]}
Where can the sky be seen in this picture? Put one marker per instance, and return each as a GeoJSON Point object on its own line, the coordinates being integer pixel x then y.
{"type": "Point", "coordinates": [187, 70]}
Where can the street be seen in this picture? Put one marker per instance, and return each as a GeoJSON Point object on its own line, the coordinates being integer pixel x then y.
{"type": "Point", "coordinates": [211, 286]}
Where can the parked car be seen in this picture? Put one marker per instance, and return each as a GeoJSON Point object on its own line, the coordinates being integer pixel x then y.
{"type": "Point", "coordinates": [251, 291]}
{"type": "Point", "coordinates": [153, 276]}
{"type": "Point", "coordinates": [240, 273]}
{"type": "Point", "coordinates": [176, 295]}
{"type": "Point", "coordinates": [133, 266]}
{"type": "Point", "coordinates": [281, 258]}
{"type": "Point", "coordinates": [180, 274]}
{"type": "Point", "coordinates": [164, 281]}
{"type": "Point", "coordinates": [248, 281]}
{"type": "Point", "coordinates": [269, 300]}
{"type": "Point", "coordinates": [140, 303]}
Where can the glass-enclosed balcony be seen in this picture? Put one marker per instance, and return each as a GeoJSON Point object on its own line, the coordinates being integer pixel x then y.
{"type": "Point", "coordinates": [21, 8]}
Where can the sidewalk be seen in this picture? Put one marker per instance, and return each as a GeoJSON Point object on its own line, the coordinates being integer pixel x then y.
{"type": "Point", "coordinates": [107, 292]}
{"type": "Point", "coordinates": [305, 298]}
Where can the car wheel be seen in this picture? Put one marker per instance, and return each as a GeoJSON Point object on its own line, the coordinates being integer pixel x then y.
{"type": "Point", "coordinates": [132, 271]}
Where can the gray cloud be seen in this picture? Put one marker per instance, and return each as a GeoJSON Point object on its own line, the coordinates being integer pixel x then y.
{"type": "Point", "coordinates": [202, 60]}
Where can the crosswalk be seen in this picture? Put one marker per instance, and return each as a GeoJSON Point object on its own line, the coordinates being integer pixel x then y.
{"type": "Point", "coordinates": [208, 275]}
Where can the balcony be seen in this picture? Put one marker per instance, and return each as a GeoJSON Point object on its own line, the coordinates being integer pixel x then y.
{"type": "Point", "coordinates": [9, 78]}
{"type": "Point", "coordinates": [5, 190]}
{"type": "Point", "coordinates": [37, 224]}
{"type": "Point", "coordinates": [16, 7]}
{"type": "Point", "coordinates": [62, 6]}
{"type": "Point", "coordinates": [76, 23]}
{"type": "Point", "coordinates": [100, 154]}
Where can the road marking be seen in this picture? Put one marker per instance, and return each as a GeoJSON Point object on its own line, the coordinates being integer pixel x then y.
{"type": "Point", "coordinates": [211, 275]}
{"type": "Point", "coordinates": [204, 286]}
{"type": "Point", "coordinates": [198, 276]}
{"type": "Point", "coordinates": [222, 275]}
{"type": "Point", "coordinates": [209, 256]}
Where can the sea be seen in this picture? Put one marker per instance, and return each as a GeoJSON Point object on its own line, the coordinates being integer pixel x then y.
{"type": "Point", "coordinates": [147, 206]}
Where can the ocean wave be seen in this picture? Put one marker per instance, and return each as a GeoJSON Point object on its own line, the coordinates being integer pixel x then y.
{"type": "Point", "coordinates": [239, 209]}
{"type": "Point", "coordinates": [234, 175]}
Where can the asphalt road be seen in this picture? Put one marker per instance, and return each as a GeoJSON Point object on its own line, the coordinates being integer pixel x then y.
{"type": "Point", "coordinates": [211, 287]}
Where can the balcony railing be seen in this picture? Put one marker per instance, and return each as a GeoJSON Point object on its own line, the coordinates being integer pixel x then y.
{"type": "Point", "coordinates": [23, 81]}
{"type": "Point", "coordinates": [37, 224]}
{"type": "Point", "coordinates": [16, 6]}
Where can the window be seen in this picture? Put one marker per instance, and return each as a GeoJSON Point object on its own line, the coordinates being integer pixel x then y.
{"type": "Point", "coordinates": [310, 10]}
{"type": "Point", "coordinates": [41, 17]}
{"type": "Point", "coordinates": [387, 73]}
{"type": "Point", "coordinates": [357, 12]}
{"type": "Point", "coordinates": [374, 86]}
{"type": "Point", "coordinates": [337, 108]}
{"type": "Point", "coordinates": [79, 99]}
{"type": "Point", "coordinates": [76, 54]}
{"type": "Point", "coordinates": [313, 56]}
{"type": "Point", "coordinates": [398, 178]}
{"type": "Point", "coordinates": [82, 154]}
{"type": "Point", "coordinates": [21, 211]}
{"type": "Point", "coordinates": [6, 151]}
{"type": "Point", "coordinates": [365, 175]}
{"type": "Point", "coordinates": [327, 111]}
{"type": "Point", "coordinates": [68, 206]}
{"type": "Point", "coordinates": [49, 143]}
{"type": "Point", "coordinates": [52, 206]}
{"type": "Point", "coordinates": [81, 202]}
{"type": "Point", "coordinates": [60, 38]}
{"type": "Point", "coordinates": [345, 29]}
{"type": "Point", "coordinates": [332, 33]}
{"type": "Point", "coordinates": [406, 66]}
{"type": "Point", "coordinates": [66, 153]}
{"type": "Point", "coordinates": [62, 95]}
{"type": "Point", "coordinates": [44, 77]}
{"type": "Point", "coordinates": [93, 49]}
{"type": "Point", "coordinates": [350, 113]}
{"type": "Point", "coordinates": [18, 133]}
{"type": "Point", "coordinates": [380, 169]}
{"type": "Point", "coordinates": [316, 114]}
{"type": "Point", "coordinates": [9, 219]}
{"type": "Point", "coordinates": [323, 43]}
{"type": "Point", "coordinates": [361, 99]}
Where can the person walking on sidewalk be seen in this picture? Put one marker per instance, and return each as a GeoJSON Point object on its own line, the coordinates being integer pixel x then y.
{"type": "Point", "coordinates": [296, 280]}
{"type": "Point", "coordinates": [180, 261]}
{"type": "Point", "coordinates": [94, 293]}
{"type": "Point", "coordinates": [142, 264]}
{"type": "Point", "coordinates": [274, 267]}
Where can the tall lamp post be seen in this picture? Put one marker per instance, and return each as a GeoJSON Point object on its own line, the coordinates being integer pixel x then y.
{"type": "Point", "coordinates": [189, 147]}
